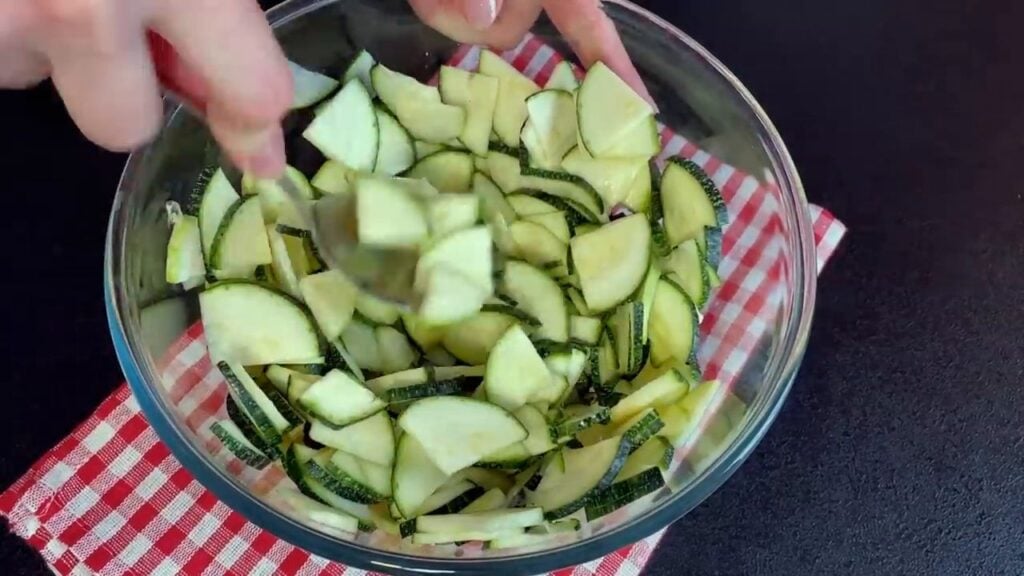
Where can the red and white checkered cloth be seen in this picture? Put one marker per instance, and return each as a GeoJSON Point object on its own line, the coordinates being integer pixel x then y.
{"type": "Point", "coordinates": [111, 499]}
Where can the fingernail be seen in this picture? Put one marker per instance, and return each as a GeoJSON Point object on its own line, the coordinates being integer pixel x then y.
{"type": "Point", "coordinates": [267, 161]}
{"type": "Point", "coordinates": [481, 14]}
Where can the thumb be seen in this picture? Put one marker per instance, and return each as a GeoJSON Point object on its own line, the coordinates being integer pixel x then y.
{"type": "Point", "coordinates": [481, 14]}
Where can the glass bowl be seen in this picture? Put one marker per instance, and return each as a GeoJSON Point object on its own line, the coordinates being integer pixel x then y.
{"type": "Point", "coordinates": [754, 331]}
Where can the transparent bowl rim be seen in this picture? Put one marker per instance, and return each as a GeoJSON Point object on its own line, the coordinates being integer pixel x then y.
{"type": "Point", "coordinates": [780, 372]}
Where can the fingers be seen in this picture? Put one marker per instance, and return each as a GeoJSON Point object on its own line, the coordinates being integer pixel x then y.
{"type": "Point", "coordinates": [245, 77]}
{"type": "Point", "coordinates": [468, 21]}
{"type": "Point", "coordinates": [593, 37]}
{"type": "Point", "coordinates": [102, 69]}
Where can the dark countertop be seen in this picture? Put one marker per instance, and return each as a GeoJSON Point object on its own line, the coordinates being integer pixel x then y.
{"type": "Point", "coordinates": [899, 449]}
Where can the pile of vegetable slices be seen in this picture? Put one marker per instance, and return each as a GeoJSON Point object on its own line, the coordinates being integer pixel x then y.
{"type": "Point", "coordinates": [551, 370]}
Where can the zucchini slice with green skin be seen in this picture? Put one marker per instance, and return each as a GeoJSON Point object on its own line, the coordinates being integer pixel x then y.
{"type": "Point", "coordinates": [640, 428]}
{"type": "Point", "coordinates": [538, 246]}
{"type": "Point", "coordinates": [417, 106]}
{"type": "Point", "coordinates": [451, 498]}
{"type": "Point", "coordinates": [714, 280]}
{"type": "Point", "coordinates": [567, 488]}
{"type": "Point", "coordinates": [539, 296]}
{"type": "Point", "coordinates": [664, 390]}
{"type": "Point", "coordinates": [510, 310]}
{"type": "Point", "coordinates": [286, 272]}
{"type": "Point", "coordinates": [710, 244]}
{"type": "Point", "coordinates": [493, 499]}
{"type": "Point", "coordinates": [268, 422]}
{"type": "Point", "coordinates": [253, 324]}
{"type": "Point", "coordinates": [622, 492]}
{"type": "Point", "coordinates": [537, 442]}
{"type": "Point", "coordinates": [389, 215]}
{"type": "Point", "coordinates": [371, 439]}
{"type": "Point", "coordinates": [374, 478]}
{"type": "Point", "coordinates": [683, 418]}
{"type": "Point", "coordinates": [627, 322]}
{"type": "Point", "coordinates": [503, 169]}
{"type": "Point", "coordinates": [416, 376]}
{"type": "Point", "coordinates": [478, 95]}
{"type": "Point", "coordinates": [640, 141]}
{"type": "Point", "coordinates": [456, 432]}
{"type": "Point", "coordinates": [673, 324]}
{"type": "Point", "coordinates": [495, 521]}
{"type": "Point", "coordinates": [395, 152]}
{"type": "Point", "coordinates": [185, 264]}
{"type": "Point", "coordinates": [339, 400]}
{"type": "Point", "coordinates": [332, 299]}
{"type": "Point", "coordinates": [550, 129]}
{"type": "Point", "coordinates": [346, 128]}
{"type": "Point", "coordinates": [415, 476]}
{"type": "Point", "coordinates": [449, 213]}
{"type": "Point", "coordinates": [690, 200]}
{"type": "Point", "coordinates": [236, 442]}
{"type": "Point", "coordinates": [468, 252]}
{"type": "Point", "coordinates": [472, 339]}
{"type": "Point", "coordinates": [248, 430]}
{"type": "Point", "coordinates": [526, 206]}
{"type": "Point", "coordinates": [513, 89]}
{"type": "Point", "coordinates": [567, 187]}
{"type": "Point", "coordinates": [577, 418]}
{"type": "Point", "coordinates": [309, 87]}
{"type": "Point", "coordinates": [318, 513]}
{"type": "Point", "coordinates": [446, 170]}
{"type": "Point", "coordinates": [396, 353]}
{"type": "Point", "coordinates": [615, 179]}
{"type": "Point", "coordinates": [360, 69]}
{"type": "Point", "coordinates": [241, 242]}
{"type": "Point", "coordinates": [562, 78]}
{"type": "Point", "coordinates": [321, 469]}
{"type": "Point", "coordinates": [607, 110]}
{"type": "Point", "coordinates": [585, 330]}
{"type": "Point", "coordinates": [554, 222]}
{"type": "Point", "coordinates": [217, 199]}
{"type": "Point", "coordinates": [333, 178]}
{"type": "Point", "coordinates": [360, 341]}
{"type": "Point", "coordinates": [687, 267]}
{"type": "Point", "coordinates": [655, 453]}
{"type": "Point", "coordinates": [492, 199]}
{"type": "Point", "coordinates": [627, 242]}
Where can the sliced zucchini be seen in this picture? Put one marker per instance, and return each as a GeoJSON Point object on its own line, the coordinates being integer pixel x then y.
{"type": "Point", "coordinates": [252, 324]}
{"type": "Point", "coordinates": [537, 442]}
{"type": "Point", "coordinates": [683, 418]}
{"type": "Point", "coordinates": [360, 69]}
{"type": "Point", "coordinates": [627, 322]}
{"type": "Point", "coordinates": [577, 418]}
{"type": "Point", "coordinates": [448, 213]}
{"type": "Point", "coordinates": [334, 178]}
{"type": "Point", "coordinates": [485, 478]}
{"type": "Point", "coordinates": [550, 129]}
{"type": "Point", "coordinates": [245, 425]}
{"type": "Point", "coordinates": [614, 179]}
{"type": "Point", "coordinates": [388, 215]}
{"type": "Point", "coordinates": [456, 432]}
{"type": "Point", "coordinates": [495, 521]}
{"type": "Point", "coordinates": [309, 87]}
{"type": "Point", "coordinates": [554, 222]}
{"type": "Point", "coordinates": [665, 390]}
{"type": "Point", "coordinates": [640, 141]}
{"type": "Point", "coordinates": [687, 267]}
{"type": "Point", "coordinates": [714, 280]}
{"type": "Point", "coordinates": [538, 246]}
{"type": "Point", "coordinates": [235, 441]}
{"type": "Point", "coordinates": [607, 109]}
{"type": "Point", "coordinates": [377, 311]}
{"type": "Point", "coordinates": [346, 129]}
{"type": "Point", "coordinates": [446, 170]}
{"type": "Point", "coordinates": [539, 296]}
{"type": "Point", "coordinates": [690, 200]}
{"type": "Point", "coordinates": [527, 206]}
{"type": "Point", "coordinates": [647, 293]}
{"type": "Point", "coordinates": [278, 377]}
{"type": "Point", "coordinates": [338, 400]}
{"type": "Point", "coordinates": [331, 298]}
{"type": "Point", "coordinates": [360, 340]}
{"type": "Point", "coordinates": [318, 513]}
{"type": "Point", "coordinates": [277, 205]}
{"type": "Point", "coordinates": [627, 242]}
{"type": "Point", "coordinates": [478, 95]}
{"type": "Point", "coordinates": [567, 187]}
{"type": "Point", "coordinates": [449, 295]}
{"type": "Point", "coordinates": [562, 78]}
{"type": "Point", "coordinates": [395, 153]}
{"type": "Point", "coordinates": [493, 499]}
{"type": "Point", "coordinates": [415, 476]}
{"type": "Point", "coordinates": [418, 106]}
{"type": "Point", "coordinates": [622, 492]}
{"type": "Point", "coordinates": [241, 242]}
{"type": "Point", "coordinates": [451, 498]}
{"type": "Point", "coordinates": [372, 439]}
{"type": "Point", "coordinates": [576, 297]}
{"type": "Point", "coordinates": [710, 243]}
{"type": "Point", "coordinates": [285, 272]}
{"type": "Point", "coordinates": [585, 330]}
{"type": "Point", "coordinates": [472, 340]}
{"type": "Point", "coordinates": [453, 84]}
{"type": "Point", "coordinates": [396, 353]}
{"type": "Point", "coordinates": [373, 479]}
{"type": "Point", "coordinates": [640, 428]}
{"type": "Point", "coordinates": [673, 324]}
{"type": "Point", "coordinates": [269, 423]}
{"type": "Point", "coordinates": [218, 197]}
{"type": "Point", "coordinates": [468, 252]}
{"type": "Point", "coordinates": [513, 90]}
{"type": "Point", "coordinates": [185, 252]}
{"type": "Point", "coordinates": [584, 472]}
{"type": "Point", "coordinates": [492, 200]}
{"type": "Point", "coordinates": [338, 482]}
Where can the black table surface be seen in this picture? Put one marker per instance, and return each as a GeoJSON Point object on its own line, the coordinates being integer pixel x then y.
{"type": "Point", "coordinates": [900, 448]}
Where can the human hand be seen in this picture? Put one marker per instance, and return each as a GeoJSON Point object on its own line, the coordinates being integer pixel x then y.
{"type": "Point", "coordinates": [501, 24]}
{"type": "Point", "coordinates": [107, 59]}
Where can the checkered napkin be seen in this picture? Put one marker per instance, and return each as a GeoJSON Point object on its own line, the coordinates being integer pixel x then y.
{"type": "Point", "coordinates": [111, 499]}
